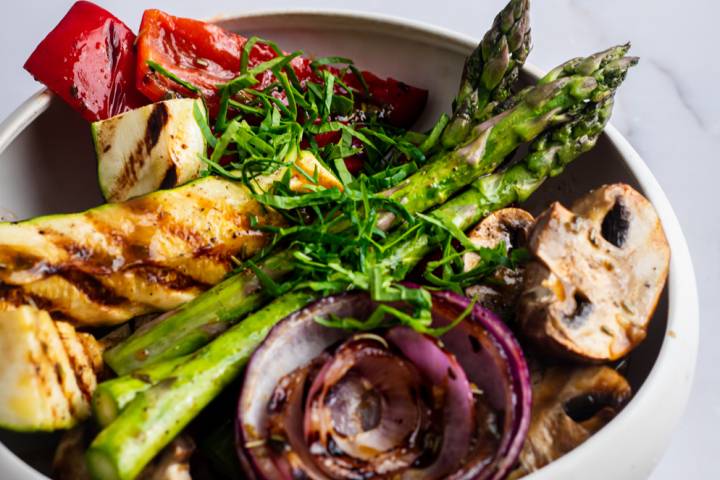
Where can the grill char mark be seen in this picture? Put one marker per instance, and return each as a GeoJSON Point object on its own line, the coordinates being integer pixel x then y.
{"type": "Point", "coordinates": [167, 277]}
{"type": "Point", "coordinates": [157, 120]}
{"type": "Point", "coordinates": [93, 289]}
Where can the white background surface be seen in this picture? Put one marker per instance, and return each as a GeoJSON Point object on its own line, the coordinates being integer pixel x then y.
{"type": "Point", "coordinates": [669, 109]}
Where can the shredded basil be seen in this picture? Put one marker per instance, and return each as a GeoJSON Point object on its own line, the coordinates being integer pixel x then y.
{"type": "Point", "coordinates": [156, 67]}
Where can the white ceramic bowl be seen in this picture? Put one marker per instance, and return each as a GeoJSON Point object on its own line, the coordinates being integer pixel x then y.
{"type": "Point", "coordinates": [47, 165]}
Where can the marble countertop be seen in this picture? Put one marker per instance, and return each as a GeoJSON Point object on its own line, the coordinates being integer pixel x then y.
{"type": "Point", "coordinates": [668, 109]}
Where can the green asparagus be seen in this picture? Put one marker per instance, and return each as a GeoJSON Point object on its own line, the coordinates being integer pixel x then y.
{"type": "Point", "coordinates": [547, 157]}
{"type": "Point", "coordinates": [156, 415]}
{"type": "Point", "coordinates": [558, 98]}
{"type": "Point", "coordinates": [490, 71]}
{"type": "Point", "coordinates": [111, 397]}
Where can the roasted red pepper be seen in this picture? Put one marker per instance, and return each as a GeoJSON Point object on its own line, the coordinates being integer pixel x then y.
{"type": "Point", "coordinates": [199, 53]}
{"type": "Point", "coordinates": [88, 60]}
{"type": "Point", "coordinates": [205, 55]}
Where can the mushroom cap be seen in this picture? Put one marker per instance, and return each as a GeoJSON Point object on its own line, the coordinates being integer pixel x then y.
{"type": "Point", "coordinates": [511, 226]}
{"type": "Point", "coordinates": [570, 404]}
{"type": "Point", "coordinates": [173, 462]}
{"type": "Point", "coordinates": [597, 273]}
{"type": "Point", "coordinates": [69, 460]}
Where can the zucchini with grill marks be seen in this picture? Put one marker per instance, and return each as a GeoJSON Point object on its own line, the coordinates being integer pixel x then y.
{"type": "Point", "coordinates": [140, 151]}
{"type": "Point", "coordinates": [49, 371]}
{"type": "Point", "coordinates": [116, 261]}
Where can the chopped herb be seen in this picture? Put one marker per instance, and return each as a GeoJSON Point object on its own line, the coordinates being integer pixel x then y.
{"type": "Point", "coordinates": [156, 67]}
{"type": "Point", "coordinates": [334, 233]}
{"type": "Point", "coordinates": [431, 141]}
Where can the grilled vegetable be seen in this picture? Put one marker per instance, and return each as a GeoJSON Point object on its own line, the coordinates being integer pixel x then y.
{"type": "Point", "coordinates": [89, 61]}
{"type": "Point", "coordinates": [156, 146]}
{"type": "Point", "coordinates": [114, 262]}
{"type": "Point", "coordinates": [569, 405]}
{"type": "Point", "coordinates": [490, 71]}
{"type": "Point", "coordinates": [48, 373]}
{"type": "Point", "coordinates": [117, 261]}
{"type": "Point", "coordinates": [563, 95]}
{"type": "Point", "coordinates": [598, 273]}
{"type": "Point", "coordinates": [511, 227]}
{"type": "Point", "coordinates": [323, 403]}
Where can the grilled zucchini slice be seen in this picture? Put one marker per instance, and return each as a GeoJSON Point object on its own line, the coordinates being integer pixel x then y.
{"type": "Point", "coordinates": [155, 146]}
{"type": "Point", "coordinates": [150, 253]}
{"type": "Point", "coordinates": [49, 371]}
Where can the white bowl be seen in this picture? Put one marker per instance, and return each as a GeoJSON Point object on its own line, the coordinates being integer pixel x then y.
{"type": "Point", "coordinates": [47, 165]}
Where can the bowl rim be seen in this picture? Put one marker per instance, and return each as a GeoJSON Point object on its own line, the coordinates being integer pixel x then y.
{"type": "Point", "coordinates": [677, 356]}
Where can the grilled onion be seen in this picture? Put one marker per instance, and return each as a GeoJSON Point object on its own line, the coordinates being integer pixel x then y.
{"type": "Point", "coordinates": [324, 403]}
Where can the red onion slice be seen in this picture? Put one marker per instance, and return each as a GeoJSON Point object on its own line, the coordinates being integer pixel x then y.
{"type": "Point", "coordinates": [484, 344]}
{"type": "Point", "coordinates": [307, 382]}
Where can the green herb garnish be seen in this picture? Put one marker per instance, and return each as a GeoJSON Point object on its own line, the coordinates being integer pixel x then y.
{"type": "Point", "coordinates": [334, 233]}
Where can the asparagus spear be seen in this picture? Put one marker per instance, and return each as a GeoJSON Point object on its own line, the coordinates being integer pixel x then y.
{"type": "Point", "coordinates": [558, 98]}
{"type": "Point", "coordinates": [547, 157]}
{"type": "Point", "coordinates": [111, 397]}
{"type": "Point", "coordinates": [155, 416]}
{"type": "Point", "coordinates": [490, 71]}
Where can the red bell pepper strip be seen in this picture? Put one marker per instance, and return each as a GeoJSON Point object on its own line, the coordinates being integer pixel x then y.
{"type": "Point", "coordinates": [88, 60]}
{"type": "Point", "coordinates": [205, 55]}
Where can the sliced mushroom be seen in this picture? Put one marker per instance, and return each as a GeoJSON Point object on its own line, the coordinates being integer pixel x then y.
{"type": "Point", "coordinates": [511, 226]}
{"type": "Point", "coordinates": [69, 460]}
{"type": "Point", "coordinates": [172, 463]}
{"type": "Point", "coordinates": [597, 274]}
{"type": "Point", "coordinates": [569, 405]}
